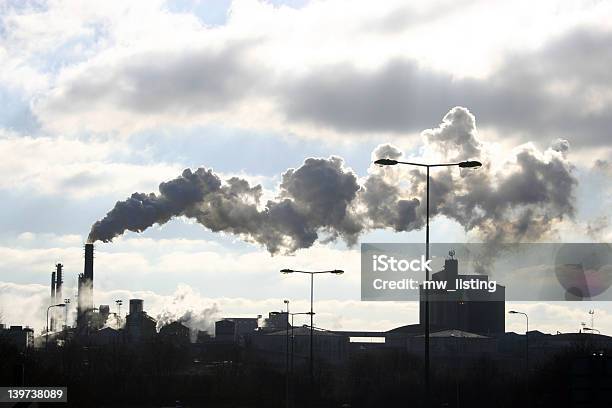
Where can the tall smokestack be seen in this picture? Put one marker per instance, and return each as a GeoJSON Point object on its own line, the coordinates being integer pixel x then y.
{"type": "Point", "coordinates": [52, 287]}
{"type": "Point", "coordinates": [59, 280]}
{"type": "Point", "coordinates": [52, 301]}
{"type": "Point", "coordinates": [89, 255]}
{"type": "Point", "coordinates": [85, 300]}
{"type": "Point", "coordinates": [136, 306]}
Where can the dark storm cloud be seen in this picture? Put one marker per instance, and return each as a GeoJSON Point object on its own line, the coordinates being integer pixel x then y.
{"type": "Point", "coordinates": [546, 92]}
{"type": "Point", "coordinates": [182, 81]}
{"type": "Point", "coordinates": [560, 90]}
{"type": "Point", "coordinates": [323, 200]}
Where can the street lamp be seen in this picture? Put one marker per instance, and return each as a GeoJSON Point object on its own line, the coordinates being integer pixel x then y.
{"type": "Point", "coordinates": [47, 338]}
{"type": "Point", "coordinates": [293, 344]}
{"type": "Point", "coordinates": [469, 164]}
{"type": "Point", "coordinates": [312, 274]}
{"type": "Point", "coordinates": [293, 338]}
{"type": "Point", "coordinates": [286, 302]}
{"type": "Point", "coordinates": [526, 348]}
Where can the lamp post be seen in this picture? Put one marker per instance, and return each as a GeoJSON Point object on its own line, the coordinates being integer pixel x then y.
{"type": "Point", "coordinates": [526, 349]}
{"type": "Point", "coordinates": [463, 164]}
{"type": "Point", "coordinates": [312, 274]}
{"type": "Point", "coordinates": [286, 302]}
{"type": "Point", "coordinates": [47, 338]}
{"type": "Point", "coordinates": [293, 344]}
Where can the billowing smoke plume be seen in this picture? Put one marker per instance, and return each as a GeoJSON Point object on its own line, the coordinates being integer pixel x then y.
{"type": "Point", "coordinates": [513, 197]}
{"type": "Point", "coordinates": [196, 320]}
{"type": "Point", "coordinates": [315, 197]}
{"type": "Point", "coordinates": [114, 321]}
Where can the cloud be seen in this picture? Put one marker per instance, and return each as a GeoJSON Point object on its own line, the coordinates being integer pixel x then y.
{"type": "Point", "coordinates": [126, 69]}
{"type": "Point", "coordinates": [597, 227]}
{"type": "Point", "coordinates": [535, 92]}
{"type": "Point", "coordinates": [185, 82]}
{"type": "Point", "coordinates": [72, 167]}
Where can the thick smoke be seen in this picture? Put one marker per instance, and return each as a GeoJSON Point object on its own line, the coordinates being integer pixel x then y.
{"type": "Point", "coordinates": [314, 198]}
{"type": "Point", "coordinates": [514, 197]}
{"type": "Point", "coordinates": [195, 320]}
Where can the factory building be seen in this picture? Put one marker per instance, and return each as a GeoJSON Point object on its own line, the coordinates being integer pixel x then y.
{"type": "Point", "coordinates": [470, 310]}
{"type": "Point", "coordinates": [175, 333]}
{"type": "Point", "coordinates": [139, 326]}
{"type": "Point", "coordinates": [235, 329]}
{"type": "Point", "coordinates": [276, 321]}
{"type": "Point", "coordinates": [17, 336]}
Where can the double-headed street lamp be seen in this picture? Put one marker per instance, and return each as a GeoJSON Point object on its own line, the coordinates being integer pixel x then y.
{"type": "Point", "coordinates": [290, 377]}
{"type": "Point", "coordinates": [470, 164]}
{"type": "Point", "coordinates": [286, 302]}
{"type": "Point", "coordinates": [312, 274]}
{"type": "Point", "coordinates": [47, 338]}
{"type": "Point", "coordinates": [526, 349]}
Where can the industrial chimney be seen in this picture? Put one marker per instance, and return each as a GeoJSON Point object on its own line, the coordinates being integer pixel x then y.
{"type": "Point", "coordinates": [59, 280]}
{"type": "Point", "coordinates": [52, 287]}
{"type": "Point", "coordinates": [135, 306]}
{"type": "Point", "coordinates": [89, 256]}
{"type": "Point", "coordinates": [85, 295]}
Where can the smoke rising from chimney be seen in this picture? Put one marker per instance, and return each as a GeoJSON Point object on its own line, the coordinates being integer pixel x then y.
{"type": "Point", "coordinates": [518, 199]}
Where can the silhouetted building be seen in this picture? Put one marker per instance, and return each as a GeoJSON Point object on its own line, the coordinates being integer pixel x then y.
{"type": "Point", "coordinates": [18, 336]}
{"type": "Point", "coordinates": [329, 347]}
{"type": "Point", "coordinates": [104, 311]}
{"type": "Point", "coordinates": [175, 332]}
{"type": "Point", "coordinates": [139, 326]}
{"type": "Point", "coordinates": [455, 344]}
{"type": "Point", "coordinates": [203, 336]}
{"type": "Point", "coordinates": [235, 329]}
{"type": "Point", "coordinates": [471, 310]}
{"type": "Point", "coordinates": [106, 336]}
{"type": "Point", "coordinates": [276, 321]}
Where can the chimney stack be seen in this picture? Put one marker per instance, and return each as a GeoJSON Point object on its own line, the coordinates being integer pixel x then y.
{"type": "Point", "coordinates": [85, 295]}
{"type": "Point", "coordinates": [59, 280]}
{"type": "Point", "coordinates": [89, 255]}
{"type": "Point", "coordinates": [52, 287]}
{"type": "Point", "coordinates": [135, 306]}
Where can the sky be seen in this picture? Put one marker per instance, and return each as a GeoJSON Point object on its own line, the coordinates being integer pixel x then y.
{"type": "Point", "coordinates": [99, 100]}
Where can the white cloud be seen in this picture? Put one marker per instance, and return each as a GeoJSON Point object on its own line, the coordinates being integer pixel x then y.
{"type": "Point", "coordinates": [75, 168]}
{"type": "Point", "coordinates": [121, 67]}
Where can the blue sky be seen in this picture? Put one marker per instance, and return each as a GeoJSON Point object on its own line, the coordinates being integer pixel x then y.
{"type": "Point", "coordinates": [102, 100]}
